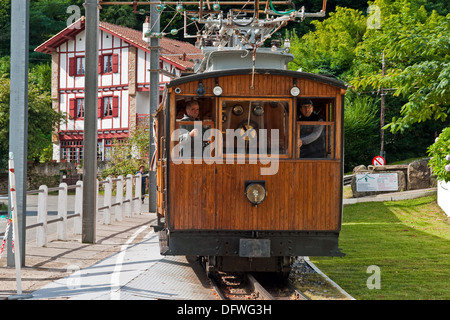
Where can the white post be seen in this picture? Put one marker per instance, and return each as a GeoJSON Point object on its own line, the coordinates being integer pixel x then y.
{"type": "Point", "coordinates": [137, 194]}
{"type": "Point", "coordinates": [61, 226]}
{"type": "Point", "coordinates": [41, 232]}
{"type": "Point", "coordinates": [443, 196]}
{"type": "Point", "coordinates": [119, 198]}
{"type": "Point", "coordinates": [77, 222]}
{"type": "Point", "coordinates": [129, 195]}
{"type": "Point", "coordinates": [15, 230]}
{"type": "Point", "coordinates": [97, 186]}
{"type": "Point", "coordinates": [107, 201]}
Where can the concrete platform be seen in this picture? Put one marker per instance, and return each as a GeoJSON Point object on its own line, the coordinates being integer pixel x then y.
{"type": "Point", "coordinates": [136, 272]}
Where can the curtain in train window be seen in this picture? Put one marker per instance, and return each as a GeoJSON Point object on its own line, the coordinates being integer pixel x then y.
{"type": "Point", "coordinates": [255, 127]}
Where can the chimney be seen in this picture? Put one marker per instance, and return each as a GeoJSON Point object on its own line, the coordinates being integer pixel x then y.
{"type": "Point", "coordinates": [146, 28]}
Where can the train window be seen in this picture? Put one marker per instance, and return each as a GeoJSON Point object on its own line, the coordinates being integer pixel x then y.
{"type": "Point", "coordinates": [315, 128]}
{"type": "Point", "coordinates": [198, 115]}
{"type": "Point", "coordinates": [255, 126]}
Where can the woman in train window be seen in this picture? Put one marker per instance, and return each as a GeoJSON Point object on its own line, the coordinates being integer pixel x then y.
{"type": "Point", "coordinates": [311, 136]}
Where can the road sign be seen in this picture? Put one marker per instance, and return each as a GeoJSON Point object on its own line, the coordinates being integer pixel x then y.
{"type": "Point", "coordinates": [378, 161]}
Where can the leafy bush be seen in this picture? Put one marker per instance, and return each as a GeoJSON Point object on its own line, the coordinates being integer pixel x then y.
{"type": "Point", "coordinates": [361, 131]}
{"type": "Point", "coordinates": [127, 156]}
{"type": "Point", "coordinates": [439, 152]}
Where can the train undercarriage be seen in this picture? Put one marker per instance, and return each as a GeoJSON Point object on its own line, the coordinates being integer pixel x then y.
{"type": "Point", "coordinates": [249, 251]}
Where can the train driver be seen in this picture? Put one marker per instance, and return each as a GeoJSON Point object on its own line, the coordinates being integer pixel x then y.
{"type": "Point", "coordinates": [194, 134]}
{"type": "Point", "coordinates": [311, 136]}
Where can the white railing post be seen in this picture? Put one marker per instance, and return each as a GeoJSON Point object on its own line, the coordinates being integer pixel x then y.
{"type": "Point", "coordinates": [77, 222]}
{"type": "Point", "coordinates": [137, 194]}
{"type": "Point", "coordinates": [119, 198]}
{"type": "Point", "coordinates": [96, 199]}
{"type": "Point", "coordinates": [41, 232]}
{"type": "Point", "coordinates": [129, 195]}
{"type": "Point", "coordinates": [61, 226]}
{"type": "Point", "coordinates": [107, 201]}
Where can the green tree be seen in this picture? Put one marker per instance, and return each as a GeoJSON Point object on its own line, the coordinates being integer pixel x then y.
{"type": "Point", "coordinates": [439, 152]}
{"type": "Point", "coordinates": [47, 18]}
{"type": "Point", "coordinates": [416, 48]}
{"type": "Point", "coordinates": [122, 15]}
{"type": "Point", "coordinates": [5, 27]}
{"type": "Point", "coordinates": [360, 120]}
{"type": "Point", "coordinates": [127, 156]}
{"type": "Point", "coordinates": [41, 120]}
{"type": "Point", "coordinates": [330, 49]}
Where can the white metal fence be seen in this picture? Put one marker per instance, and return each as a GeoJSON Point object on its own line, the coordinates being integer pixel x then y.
{"type": "Point", "coordinates": [114, 206]}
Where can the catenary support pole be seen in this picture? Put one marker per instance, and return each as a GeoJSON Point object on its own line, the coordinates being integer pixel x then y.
{"type": "Point", "coordinates": [18, 116]}
{"type": "Point", "coordinates": [90, 124]}
{"type": "Point", "coordinates": [154, 99]}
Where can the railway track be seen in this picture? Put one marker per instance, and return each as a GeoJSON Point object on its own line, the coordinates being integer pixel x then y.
{"type": "Point", "coordinates": [247, 286]}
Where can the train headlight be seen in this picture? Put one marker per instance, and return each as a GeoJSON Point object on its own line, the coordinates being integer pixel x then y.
{"type": "Point", "coordinates": [295, 91]}
{"type": "Point", "coordinates": [217, 90]}
{"type": "Point", "coordinates": [255, 192]}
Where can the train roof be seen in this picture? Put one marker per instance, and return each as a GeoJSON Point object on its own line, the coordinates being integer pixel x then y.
{"type": "Point", "coordinates": [287, 73]}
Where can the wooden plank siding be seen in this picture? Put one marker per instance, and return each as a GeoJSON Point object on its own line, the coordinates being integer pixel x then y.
{"type": "Point", "coordinates": [303, 195]}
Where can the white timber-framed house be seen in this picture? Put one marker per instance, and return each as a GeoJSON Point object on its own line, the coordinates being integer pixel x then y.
{"type": "Point", "coordinates": [123, 83]}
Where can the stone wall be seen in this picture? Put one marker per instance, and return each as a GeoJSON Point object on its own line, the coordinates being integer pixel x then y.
{"type": "Point", "coordinates": [413, 176]}
{"type": "Point", "coordinates": [49, 174]}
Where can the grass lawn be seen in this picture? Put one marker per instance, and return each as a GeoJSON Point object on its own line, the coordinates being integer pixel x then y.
{"type": "Point", "coordinates": [409, 241]}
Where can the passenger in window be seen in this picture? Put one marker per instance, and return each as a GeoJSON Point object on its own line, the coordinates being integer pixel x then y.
{"type": "Point", "coordinates": [311, 142]}
{"type": "Point", "coordinates": [193, 135]}
{"type": "Point", "coordinates": [192, 112]}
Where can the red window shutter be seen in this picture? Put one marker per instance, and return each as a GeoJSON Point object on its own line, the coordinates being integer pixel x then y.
{"type": "Point", "coordinates": [100, 108]}
{"type": "Point", "coordinates": [115, 63]}
{"type": "Point", "coordinates": [115, 110]}
{"type": "Point", "coordinates": [72, 107]}
{"type": "Point", "coordinates": [72, 66]}
{"type": "Point", "coordinates": [100, 64]}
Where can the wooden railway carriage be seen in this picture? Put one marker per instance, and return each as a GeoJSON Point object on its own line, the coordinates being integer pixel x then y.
{"type": "Point", "coordinates": [250, 201]}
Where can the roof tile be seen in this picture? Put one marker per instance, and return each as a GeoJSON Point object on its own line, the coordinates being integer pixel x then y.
{"type": "Point", "coordinates": [178, 52]}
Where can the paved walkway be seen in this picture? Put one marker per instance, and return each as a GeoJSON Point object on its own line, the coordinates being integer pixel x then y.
{"type": "Point", "coordinates": [60, 258]}
{"type": "Point", "coordinates": [394, 196]}
{"type": "Point", "coordinates": [136, 272]}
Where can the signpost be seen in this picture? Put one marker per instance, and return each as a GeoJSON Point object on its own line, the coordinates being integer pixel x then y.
{"type": "Point", "coordinates": [369, 182]}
